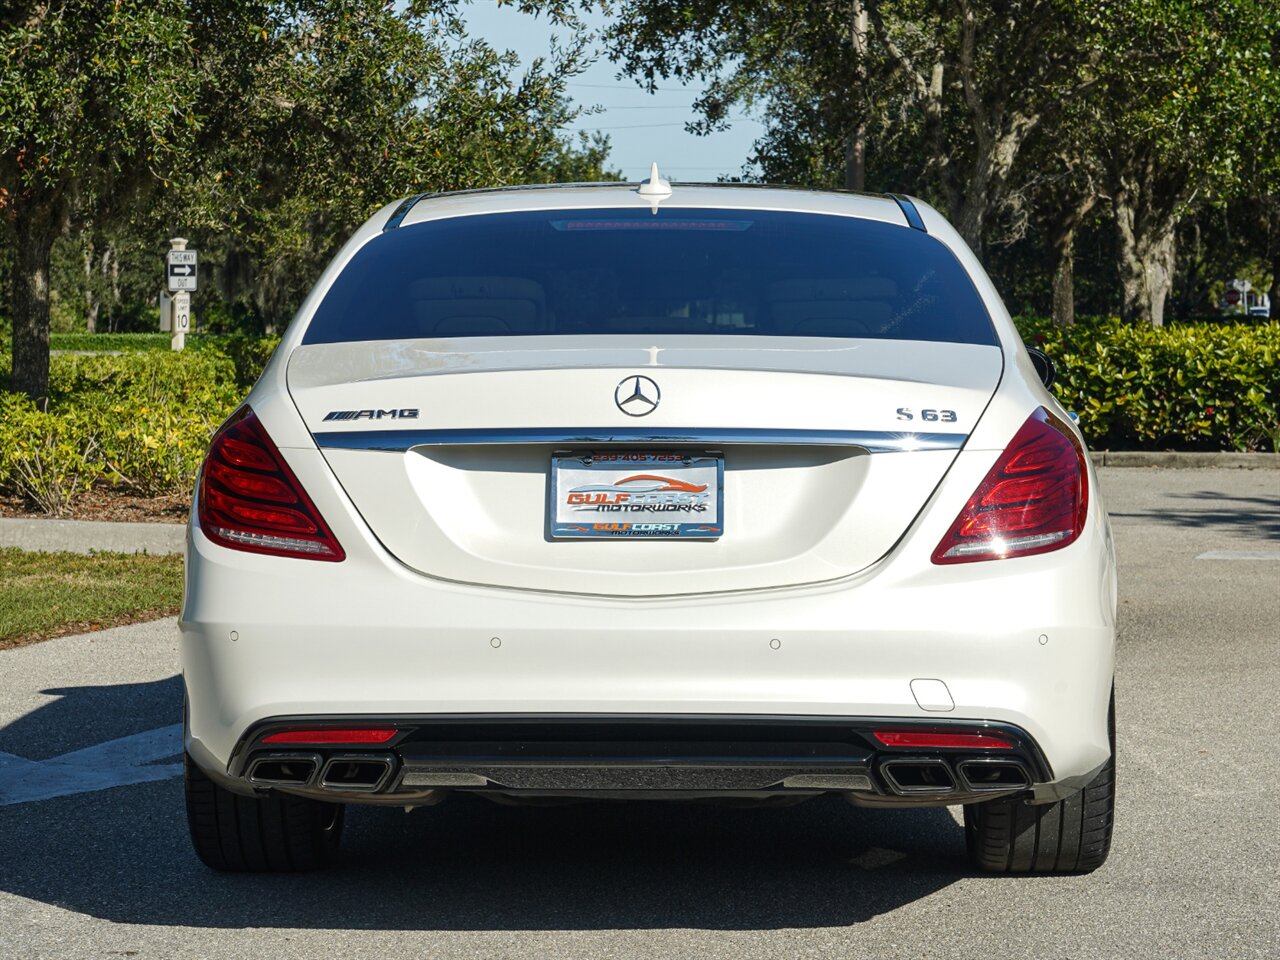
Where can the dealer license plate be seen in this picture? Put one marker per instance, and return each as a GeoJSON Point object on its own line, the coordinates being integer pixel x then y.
{"type": "Point", "coordinates": [637, 495]}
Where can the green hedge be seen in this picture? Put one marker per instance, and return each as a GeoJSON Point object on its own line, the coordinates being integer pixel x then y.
{"type": "Point", "coordinates": [1188, 387]}
{"type": "Point", "coordinates": [249, 353]}
{"type": "Point", "coordinates": [140, 420]}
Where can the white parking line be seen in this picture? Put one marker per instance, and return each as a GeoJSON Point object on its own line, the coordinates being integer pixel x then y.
{"type": "Point", "coordinates": [1240, 555]}
{"type": "Point", "coordinates": [116, 763]}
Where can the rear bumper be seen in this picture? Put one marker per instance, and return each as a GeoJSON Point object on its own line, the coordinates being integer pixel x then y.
{"type": "Point", "coordinates": [628, 755]}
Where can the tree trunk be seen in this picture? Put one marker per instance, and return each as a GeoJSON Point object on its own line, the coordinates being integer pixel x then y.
{"type": "Point", "coordinates": [1146, 197]}
{"type": "Point", "coordinates": [1064, 276]}
{"type": "Point", "coordinates": [855, 159]}
{"type": "Point", "coordinates": [91, 302]}
{"type": "Point", "coordinates": [1190, 277]}
{"type": "Point", "coordinates": [1274, 293]}
{"type": "Point", "coordinates": [1146, 266]}
{"type": "Point", "coordinates": [1060, 214]}
{"type": "Point", "coordinates": [985, 190]}
{"type": "Point", "coordinates": [967, 206]}
{"type": "Point", "coordinates": [37, 224]}
{"type": "Point", "coordinates": [855, 165]}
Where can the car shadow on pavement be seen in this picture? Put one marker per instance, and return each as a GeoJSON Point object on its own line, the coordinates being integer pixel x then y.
{"type": "Point", "coordinates": [1258, 516]}
{"type": "Point", "coordinates": [84, 716]}
{"type": "Point", "coordinates": [468, 864]}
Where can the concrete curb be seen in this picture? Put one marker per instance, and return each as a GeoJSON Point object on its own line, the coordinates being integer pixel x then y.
{"type": "Point", "coordinates": [1173, 460]}
{"type": "Point", "coordinates": [84, 536]}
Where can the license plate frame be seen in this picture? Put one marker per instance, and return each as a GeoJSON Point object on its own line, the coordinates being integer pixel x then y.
{"type": "Point", "coordinates": [637, 495]}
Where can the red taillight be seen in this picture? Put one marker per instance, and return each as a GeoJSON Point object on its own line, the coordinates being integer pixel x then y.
{"type": "Point", "coordinates": [359, 735]}
{"type": "Point", "coordinates": [1033, 500]}
{"type": "Point", "coordinates": [923, 739]}
{"type": "Point", "coordinates": [250, 499]}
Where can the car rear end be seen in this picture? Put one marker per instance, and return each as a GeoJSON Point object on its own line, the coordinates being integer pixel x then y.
{"type": "Point", "coordinates": [566, 492]}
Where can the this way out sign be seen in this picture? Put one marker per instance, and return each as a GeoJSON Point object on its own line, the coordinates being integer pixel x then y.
{"type": "Point", "coordinates": [181, 270]}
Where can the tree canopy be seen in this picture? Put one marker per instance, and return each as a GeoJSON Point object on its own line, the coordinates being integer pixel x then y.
{"type": "Point", "coordinates": [1135, 138]}
{"type": "Point", "coordinates": [268, 128]}
{"type": "Point", "coordinates": [1003, 112]}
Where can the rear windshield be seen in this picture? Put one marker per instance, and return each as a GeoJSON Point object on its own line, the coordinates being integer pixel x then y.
{"type": "Point", "coordinates": [679, 271]}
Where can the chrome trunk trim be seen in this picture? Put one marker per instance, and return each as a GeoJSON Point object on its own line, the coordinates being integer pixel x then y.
{"type": "Point", "coordinates": [872, 441]}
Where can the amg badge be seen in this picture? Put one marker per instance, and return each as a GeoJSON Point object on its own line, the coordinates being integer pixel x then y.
{"type": "Point", "coordinates": [408, 413]}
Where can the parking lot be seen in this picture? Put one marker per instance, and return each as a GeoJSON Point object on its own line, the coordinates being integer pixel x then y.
{"type": "Point", "coordinates": [91, 869]}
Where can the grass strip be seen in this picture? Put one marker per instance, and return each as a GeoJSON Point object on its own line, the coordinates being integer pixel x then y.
{"type": "Point", "coordinates": [45, 595]}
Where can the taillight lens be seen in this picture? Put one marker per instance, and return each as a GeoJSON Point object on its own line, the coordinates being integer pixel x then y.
{"type": "Point", "coordinates": [250, 500]}
{"type": "Point", "coordinates": [1033, 500]}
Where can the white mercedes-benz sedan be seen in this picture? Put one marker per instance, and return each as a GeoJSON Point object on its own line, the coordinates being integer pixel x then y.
{"type": "Point", "coordinates": [650, 491]}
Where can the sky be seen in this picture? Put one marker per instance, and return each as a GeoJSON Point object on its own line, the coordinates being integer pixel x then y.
{"type": "Point", "coordinates": [642, 127]}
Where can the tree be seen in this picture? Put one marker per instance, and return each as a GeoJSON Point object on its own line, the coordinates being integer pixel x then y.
{"type": "Point", "coordinates": [1061, 201]}
{"type": "Point", "coordinates": [1060, 190]}
{"type": "Point", "coordinates": [973, 79]}
{"type": "Point", "coordinates": [274, 123]}
{"type": "Point", "coordinates": [91, 106]}
{"type": "Point", "coordinates": [1181, 82]}
{"type": "Point", "coordinates": [339, 129]}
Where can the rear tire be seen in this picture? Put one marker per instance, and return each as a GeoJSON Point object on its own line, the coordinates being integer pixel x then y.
{"type": "Point", "coordinates": [277, 833]}
{"type": "Point", "coordinates": [1070, 836]}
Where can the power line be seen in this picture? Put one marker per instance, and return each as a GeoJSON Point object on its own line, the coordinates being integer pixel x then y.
{"type": "Point", "coordinates": [648, 106]}
{"type": "Point", "coordinates": [642, 126]}
{"type": "Point", "coordinates": [625, 86]}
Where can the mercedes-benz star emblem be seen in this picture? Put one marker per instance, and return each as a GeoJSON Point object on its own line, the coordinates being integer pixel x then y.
{"type": "Point", "coordinates": [637, 396]}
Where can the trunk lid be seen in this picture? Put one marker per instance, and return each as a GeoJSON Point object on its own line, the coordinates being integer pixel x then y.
{"type": "Point", "coordinates": [830, 449]}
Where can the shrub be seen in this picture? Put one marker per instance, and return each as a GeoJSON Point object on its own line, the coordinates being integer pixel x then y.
{"type": "Point", "coordinates": [109, 341]}
{"type": "Point", "coordinates": [47, 459]}
{"type": "Point", "coordinates": [144, 378]}
{"type": "Point", "coordinates": [230, 344]}
{"type": "Point", "coordinates": [248, 354]}
{"type": "Point", "coordinates": [156, 411]}
{"type": "Point", "coordinates": [140, 418]}
{"type": "Point", "coordinates": [155, 450]}
{"type": "Point", "coordinates": [1200, 386]}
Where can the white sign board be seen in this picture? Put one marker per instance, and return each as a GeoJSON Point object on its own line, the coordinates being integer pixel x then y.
{"type": "Point", "coordinates": [182, 313]}
{"type": "Point", "coordinates": [181, 270]}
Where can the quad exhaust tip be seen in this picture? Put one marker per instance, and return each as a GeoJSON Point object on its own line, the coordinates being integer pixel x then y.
{"type": "Point", "coordinates": [357, 772]}
{"type": "Point", "coordinates": [284, 769]}
{"type": "Point", "coordinates": [919, 776]}
{"type": "Point", "coordinates": [340, 773]}
{"type": "Point", "coordinates": [932, 776]}
{"type": "Point", "coordinates": [991, 775]}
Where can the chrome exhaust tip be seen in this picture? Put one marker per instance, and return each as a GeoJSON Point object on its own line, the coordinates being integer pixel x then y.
{"type": "Point", "coordinates": [357, 772]}
{"type": "Point", "coordinates": [283, 769]}
{"type": "Point", "coordinates": [918, 775]}
{"type": "Point", "coordinates": [992, 774]}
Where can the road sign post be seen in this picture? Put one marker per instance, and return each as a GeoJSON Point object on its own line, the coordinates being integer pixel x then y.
{"type": "Point", "coordinates": [181, 273]}
{"type": "Point", "coordinates": [1238, 293]}
{"type": "Point", "coordinates": [181, 319]}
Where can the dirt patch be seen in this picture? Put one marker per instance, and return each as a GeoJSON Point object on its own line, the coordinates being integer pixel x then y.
{"type": "Point", "coordinates": [86, 626]}
{"type": "Point", "coordinates": [110, 505]}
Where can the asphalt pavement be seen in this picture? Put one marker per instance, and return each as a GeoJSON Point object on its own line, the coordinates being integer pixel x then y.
{"type": "Point", "coordinates": [92, 869]}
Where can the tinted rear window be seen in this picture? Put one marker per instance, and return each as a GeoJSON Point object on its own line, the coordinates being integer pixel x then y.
{"type": "Point", "coordinates": [681, 271]}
